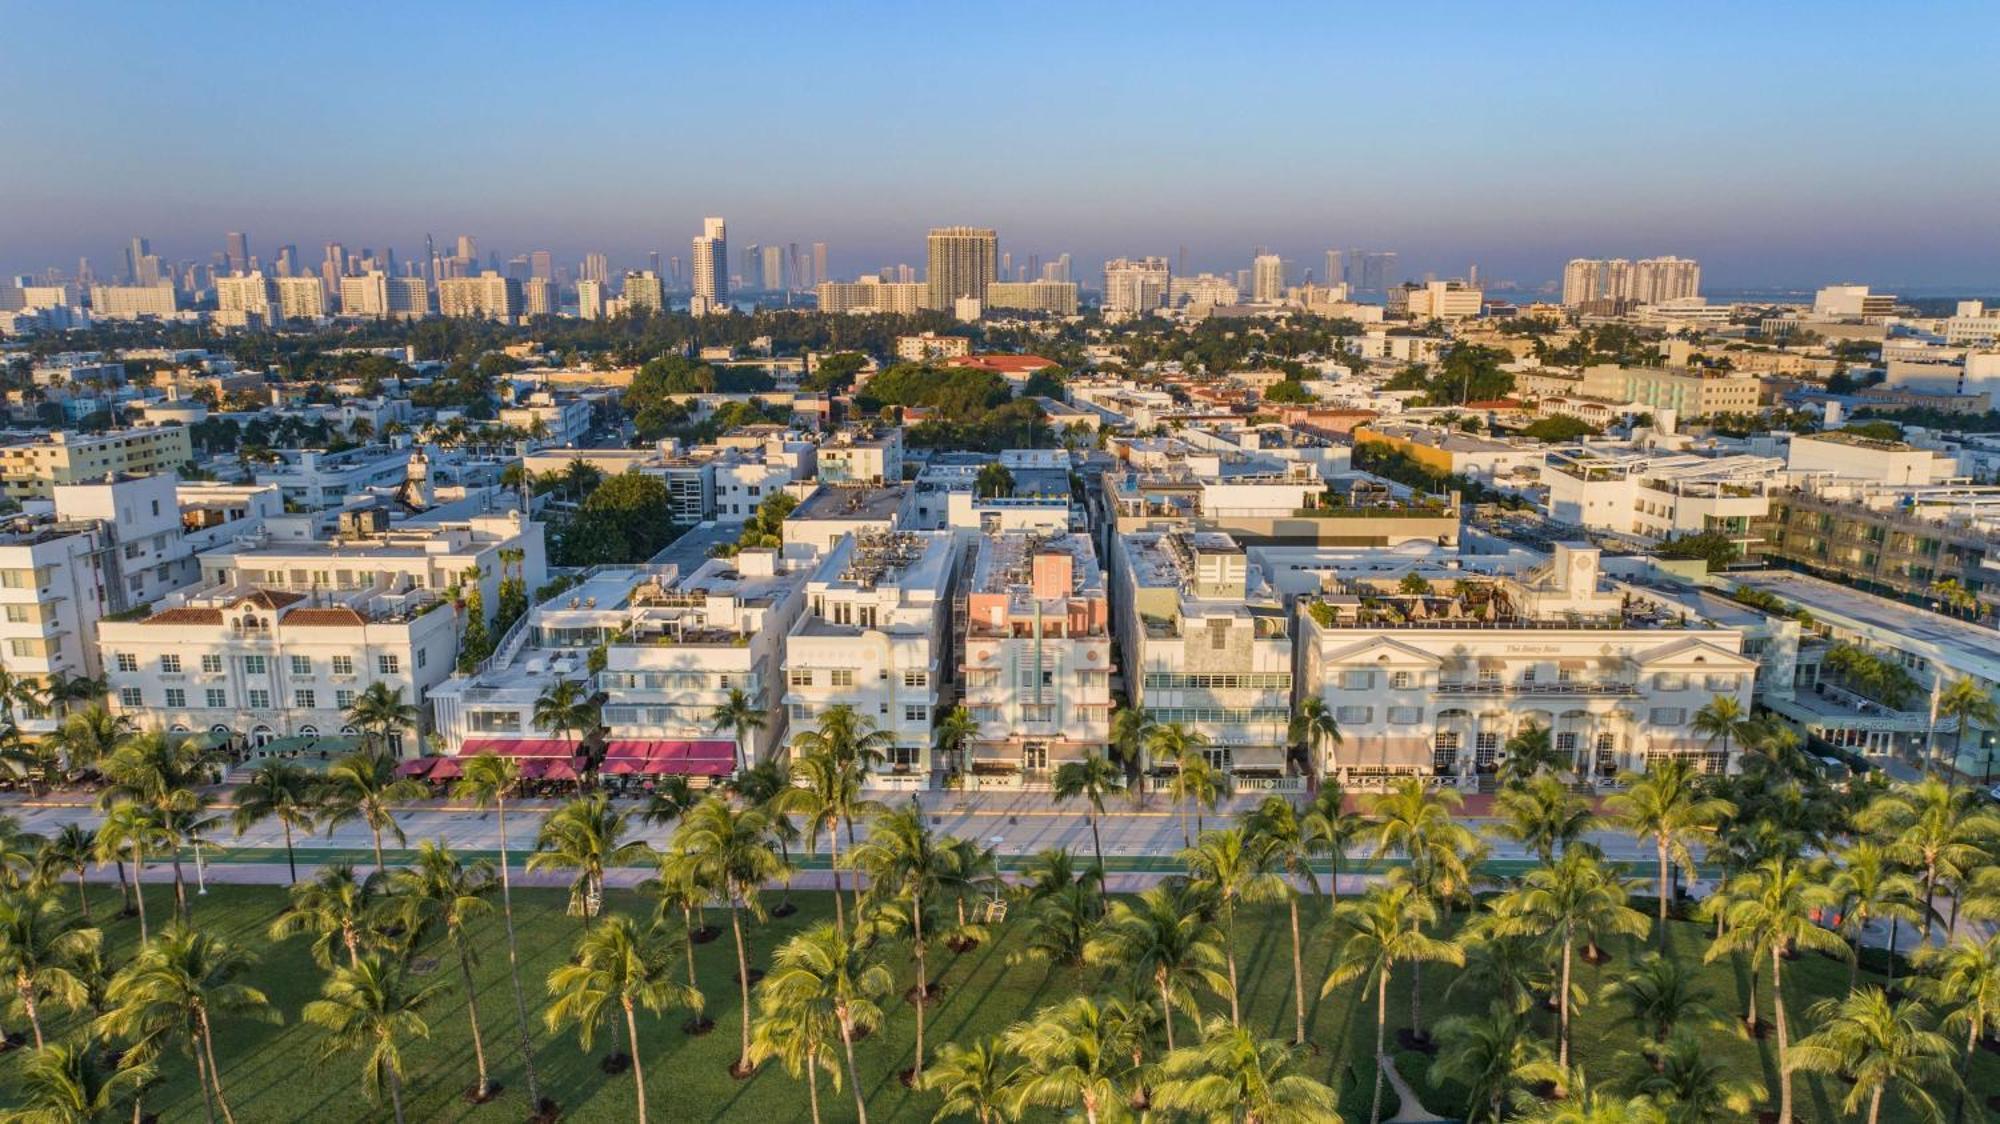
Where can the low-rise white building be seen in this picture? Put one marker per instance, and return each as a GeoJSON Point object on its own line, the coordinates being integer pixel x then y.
{"type": "Point", "coordinates": [1660, 497]}
{"type": "Point", "coordinates": [875, 636]}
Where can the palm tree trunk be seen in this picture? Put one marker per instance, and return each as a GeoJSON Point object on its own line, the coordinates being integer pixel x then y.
{"type": "Point", "coordinates": [687, 922]}
{"type": "Point", "coordinates": [377, 832]}
{"type": "Point", "coordinates": [632, 1038]}
{"type": "Point", "coordinates": [1097, 845]}
{"type": "Point", "coordinates": [27, 991]}
{"type": "Point", "coordinates": [180, 887]}
{"type": "Point", "coordinates": [1664, 891]}
{"type": "Point", "coordinates": [201, 1079]}
{"type": "Point", "coordinates": [1229, 935]}
{"type": "Point", "coordinates": [1930, 899]}
{"type": "Point", "coordinates": [1964, 1063]}
{"type": "Point", "coordinates": [139, 889]}
{"type": "Point", "coordinates": [82, 896]}
{"type": "Point", "coordinates": [396, 1095]}
{"type": "Point", "coordinates": [1298, 978]}
{"type": "Point", "coordinates": [1895, 930]}
{"type": "Point", "coordinates": [1562, 1003]}
{"type": "Point", "coordinates": [291, 862]}
{"type": "Point", "coordinates": [812, 1084]}
{"type": "Point", "coordinates": [1166, 1010]}
{"type": "Point", "coordinates": [1784, 1050]}
{"type": "Point", "coordinates": [1751, 1018]}
{"type": "Point", "coordinates": [472, 1013]}
{"type": "Point", "coordinates": [853, 1072]}
{"type": "Point", "coordinates": [1875, 1104]}
{"type": "Point", "coordinates": [923, 986]}
{"type": "Point", "coordinates": [214, 1070]}
{"type": "Point", "coordinates": [742, 979]}
{"type": "Point", "coordinates": [1381, 1040]}
{"type": "Point", "coordinates": [514, 967]}
{"type": "Point", "coordinates": [124, 886]}
{"type": "Point", "coordinates": [1416, 997]}
{"type": "Point", "coordinates": [833, 864]}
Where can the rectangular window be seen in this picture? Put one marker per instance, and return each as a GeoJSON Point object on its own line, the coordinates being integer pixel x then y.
{"type": "Point", "coordinates": [260, 699]}
{"type": "Point", "coordinates": [216, 698]}
{"type": "Point", "coordinates": [304, 700]}
{"type": "Point", "coordinates": [17, 614]}
{"type": "Point", "coordinates": [1346, 715]}
{"type": "Point", "coordinates": [1405, 715]}
{"type": "Point", "coordinates": [1723, 683]}
{"type": "Point", "coordinates": [211, 665]}
{"type": "Point", "coordinates": [1357, 680]}
{"type": "Point", "coordinates": [916, 714]}
{"type": "Point", "coordinates": [1670, 681]}
{"type": "Point", "coordinates": [388, 665]}
{"type": "Point", "coordinates": [842, 677]}
{"type": "Point", "coordinates": [423, 656]}
{"type": "Point", "coordinates": [1400, 680]}
{"type": "Point", "coordinates": [343, 665]}
{"type": "Point", "coordinates": [343, 698]}
{"type": "Point", "coordinates": [177, 698]}
{"type": "Point", "coordinates": [1667, 715]}
{"type": "Point", "coordinates": [253, 665]}
{"type": "Point", "coordinates": [800, 677]}
{"type": "Point", "coordinates": [916, 679]}
{"type": "Point", "coordinates": [128, 662]}
{"type": "Point", "coordinates": [302, 665]}
{"type": "Point", "coordinates": [1038, 712]}
{"type": "Point", "coordinates": [129, 696]}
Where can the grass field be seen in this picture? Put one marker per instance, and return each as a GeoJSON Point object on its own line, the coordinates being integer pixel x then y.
{"type": "Point", "coordinates": [273, 1073]}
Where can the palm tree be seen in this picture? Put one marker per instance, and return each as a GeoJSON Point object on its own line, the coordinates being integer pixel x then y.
{"type": "Point", "coordinates": [1669, 803]}
{"type": "Point", "coordinates": [823, 974]}
{"type": "Point", "coordinates": [903, 861]}
{"type": "Point", "coordinates": [90, 736]}
{"type": "Point", "coordinates": [1767, 912]}
{"type": "Point", "coordinates": [1880, 1045]}
{"type": "Point", "coordinates": [1230, 869]}
{"type": "Point", "coordinates": [974, 1080]}
{"type": "Point", "coordinates": [830, 796]}
{"type": "Point", "coordinates": [1578, 898]}
{"type": "Point", "coordinates": [619, 962]}
{"type": "Point", "coordinates": [843, 734]}
{"type": "Point", "coordinates": [1196, 781]}
{"type": "Point", "coordinates": [1502, 965]}
{"type": "Point", "coordinates": [1131, 733]}
{"type": "Point", "coordinates": [175, 989]}
{"type": "Point", "coordinates": [364, 786]}
{"type": "Point", "coordinates": [739, 715]}
{"type": "Point", "coordinates": [1313, 728]}
{"type": "Point", "coordinates": [1495, 1056]}
{"type": "Point", "coordinates": [1543, 814]}
{"type": "Point", "coordinates": [1720, 720]}
{"type": "Point", "coordinates": [1381, 930]}
{"type": "Point", "coordinates": [160, 773]}
{"type": "Point", "coordinates": [680, 889]}
{"type": "Point", "coordinates": [1233, 1075]}
{"type": "Point", "coordinates": [565, 709]}
{"type": "Point", "coordinates": [1661, 995]}
{"type": "Point", "coordinates": [130, 831]}
{"type": "Point", "coordinates": [1420, 824]}
{"type": "Point", "coordinates": [763, 787]}
{"type": "Point", "coordinates": [731, 853]}
{"type": "Point", "coordinates": [1092, 778]}
{"type": "Point", "coordinates": [1964, 702]}
{"type": "Point", "coordinates": [75, 1083]}
{"type": "Point", "coordinates": [1330, 829]}
{"type": "Point", "coordinates": [1071, 1059]}
{"type": "Point", "coordinates": [1278, 836]}
{"type": "Point", "coordinates": [587, 836]}
{"type": "Point", "coordinates": [439, 891]}
{"type": "Point", "coordinates": [281, 790]}
{"type": "Point", "coordinates": [1165, 942]}
{"type": "Point", "coordinates": [1933, 828]}
{"type": "Point", "coordinates": [61, 690]}
{"type": "Point", "coordinates": [375, 1009]}
{"type": "Point", "coordinates": [380, 713]}
{"type": "Point", "coordinates": [954, 732]}
{"type": "Point", "coordinates": [1063, 908]}
{"type": "Point", "coordinates": [1690, 1085]}
{"type": "Point", "coordinates": [1963, 980]}
{"type": "Point", "coordinates": [797, 1040]}
{"type": "Point", "coordinates": [1531, 752]}
{"type": "Point", "coordinates": [39, 949]}
{"type": "Point", "coordinates": [1870, 887]}
{"type": "Point", "coordinates": [334, 907]}
{"type": "Point", "coordinates": [485, 781]}
{"type": "Point", "coordinates": [72, 850]}
{"type": "Point", "coordinates": [18, 853]}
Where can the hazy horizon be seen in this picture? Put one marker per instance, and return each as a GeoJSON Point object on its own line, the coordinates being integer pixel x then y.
{"type": "Point", "coordinates": [1785, 146]}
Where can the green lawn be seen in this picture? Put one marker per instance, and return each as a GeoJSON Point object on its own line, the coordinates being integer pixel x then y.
{"type": "Point", "coordinates": [274, 1074]}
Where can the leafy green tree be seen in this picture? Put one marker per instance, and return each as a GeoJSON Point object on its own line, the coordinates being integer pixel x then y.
{"type": "Point", "coordinates": [1669, 804]}
{"type": "Point", "coordinates": [1688, 1084]}
{"type": "Point", "coordinates": [364, 786]}
{"type": "Point", "coordinates": [731, 853]}
{"type": "Point", "coordinates": [1279, 838]}
{"type": "Point", "coordinates": [587, 836]}
{"type": "Point", "coordinates": [40, 947]}
{"type": "Point", "coordinates": [380, 713]}
{"type": "Point", "coordinates": [1577, 898]}
{"type": "Point", "coordinates": [904, 861]}
{"type": "Point", "coordinates": [1382, 929]}
{"type": "Point", "coordinates": [1090, 779]}
{"type": "Point", "coordinates": [71, 850]}
{"type": "Point", "coordinates": [1495, 1056]}
{"type": "Point", "coordinates": [974, 1080]}
{"type": "Point", "coordinates": [439, 892]}
{"type": "Point", "coordinates": [335, 907]}
{"type": "Point", "coordinates": [1330, 829]}
{"type": "Point", "coordinates": [1544, 815]}
{"type": "Point", "coordinates": [1962, 979]}
{"type": "Point", "coordinates": [1314, 727]}
{"type": "Point", "coordinates": [1871, 887]}
{"type": "Point", "coordinates": [1965, 703]}
{"type": "Point", "coordinates": [1233, 1075]}
{"type": "Point", "coordinates": [1164, 942]}
{"type": "Point", "coordinates": [1662, 994]}
{"type": "Point", "coordinates": [375, 1009]}
{"type": "Point", "coordinates": [1071, 1059]}
{"type": "Point", "coordinates": [75, 1083]}
{"type": "Point", "coordinates": [741, 717]}
{"type": "Point", "coordinates": [174, 990]}
{"type": "Point", "coordinates": [1932, 828]}
{"type": "Point", "coordinates": [282, 791]}
{"type": "Point", "coordinates": [485, 780]}
{"type": "Point", "coordinates": [1230, 868]}
{"type": "Point", "coordinates": [617, 962]}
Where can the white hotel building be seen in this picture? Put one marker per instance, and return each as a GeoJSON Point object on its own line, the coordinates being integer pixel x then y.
{"type": "Point", "coordinates": [875, 635]}
{"type": "Point", "coordinates": [1434, 684]}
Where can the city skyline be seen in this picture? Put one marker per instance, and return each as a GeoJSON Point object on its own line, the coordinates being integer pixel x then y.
{"type": "Point", "coordinates": [1480, 140]}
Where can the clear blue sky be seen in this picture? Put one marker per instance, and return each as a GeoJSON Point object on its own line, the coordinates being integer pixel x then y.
{"type": "Point", "coordinates": [1780, 143]}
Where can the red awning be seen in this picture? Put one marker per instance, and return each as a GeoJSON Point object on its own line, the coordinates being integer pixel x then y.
{"type": "Point", "coordinates": [416, 766]}
{"type": "Point", "coordinates": [446, 769]}
{"type": "Point", "coordinates": [625, 766]}
{"type": "Point", "coordinates": [519, 747]}
{"type": "Point", "coordinates": [561, 769]}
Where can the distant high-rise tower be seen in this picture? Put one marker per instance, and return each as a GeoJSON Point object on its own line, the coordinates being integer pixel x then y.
{"type": "Point", "coordinates": [960, 265]}
{"type": "Point", "coordinates": [820, 275]}
{"type": "Point", "coordinates": [1267, 278]}
{"type": "Point", "coordinates": [1336, 268]}
{"type": "Point", "coordinates": [674, 269]}
{"type": "Point", "coordinates": [773, 272]}
{"type": "Point", "coordinates": [237, 249]}
{"type": "Point", "coordinates": [542, 264]}
{"type": "Point", "coordinates": [141, 267]}
{"type": "Point", "coordinates": [288, 260]}
{"type": "Point", "coordinates": [468, 249]}
{"type": "Point", "coordinates": [596, 267]}
{"type": "Point", "coordinates": [710, 265]}
{"type": "Point", "coordinates": [1135, 286]}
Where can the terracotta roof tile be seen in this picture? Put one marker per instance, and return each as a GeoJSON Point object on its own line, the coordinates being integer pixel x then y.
{"type": "Point", "coordinates": [339, 615]}
{"type": "Point", "coordinates": [185, 615]}
{"type": "Point", "coordinates": [272, 599]}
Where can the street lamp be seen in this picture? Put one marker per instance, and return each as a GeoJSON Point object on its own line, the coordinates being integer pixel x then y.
{"type": "Point", "coordinates": [200, 874]}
